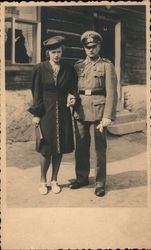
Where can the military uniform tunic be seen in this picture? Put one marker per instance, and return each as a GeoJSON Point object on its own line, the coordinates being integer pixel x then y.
{"type": "Point", "coordinates": [92, 77]}
{"type": "Point", "coordinates": [50, 92]}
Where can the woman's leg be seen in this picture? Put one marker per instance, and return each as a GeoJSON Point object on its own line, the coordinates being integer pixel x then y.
{"type": "Point", "coordinates": [44, 165]}
{"type": "Point", "coordinates": [56, 160]}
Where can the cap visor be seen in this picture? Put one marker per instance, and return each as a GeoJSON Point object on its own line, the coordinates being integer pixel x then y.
{"type": "Point", "coordinates": [90, 44]}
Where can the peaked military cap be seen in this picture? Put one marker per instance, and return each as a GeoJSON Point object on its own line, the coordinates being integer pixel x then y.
{"type": "Point", "coordinates": [90, 38]}
{"type": "Point", "coordinates": [54, 42]}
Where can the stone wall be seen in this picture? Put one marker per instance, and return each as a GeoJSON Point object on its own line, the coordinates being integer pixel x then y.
{"type": "Point", "coordinates": [135, 99]}
{"type": "Point", "coordinates": [19, 121]}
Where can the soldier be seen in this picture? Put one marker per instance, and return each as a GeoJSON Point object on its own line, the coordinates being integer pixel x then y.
{"type": "Point", "coordinates": [97, 88]}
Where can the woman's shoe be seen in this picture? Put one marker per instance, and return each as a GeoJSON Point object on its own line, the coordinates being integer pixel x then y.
{"type": "Point", "coordinates": [43, 188]}
{"type": "Point", "coordinates": [55, 187]}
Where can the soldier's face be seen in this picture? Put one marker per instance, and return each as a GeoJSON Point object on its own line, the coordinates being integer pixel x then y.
{"type": "Point", "coordinates": [55, 54]}
{"type": "Point", "coordinates": [93, 51]}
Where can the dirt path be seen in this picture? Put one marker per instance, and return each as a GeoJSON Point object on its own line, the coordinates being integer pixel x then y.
{"type": "Point", "coordinates": [126, 177]}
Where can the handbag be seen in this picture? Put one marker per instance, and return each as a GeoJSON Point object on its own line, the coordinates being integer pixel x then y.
{"type": "Point", "coordinates": [39, 137]}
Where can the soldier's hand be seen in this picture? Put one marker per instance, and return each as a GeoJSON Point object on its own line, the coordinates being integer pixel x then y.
{"type": "Point", "coordinates": [36, 121]}
{"type": "Point", "coordinates": [71, 100]}
{"type": "Point", "coordinates": [100, 127]}
{"type": "Point", "coordinates": [106, 122]}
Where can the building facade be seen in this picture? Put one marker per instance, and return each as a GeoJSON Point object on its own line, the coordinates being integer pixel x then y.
{"type": "Point", "coordinates": [123, 29]}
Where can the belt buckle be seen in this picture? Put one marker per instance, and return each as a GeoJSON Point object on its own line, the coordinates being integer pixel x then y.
{"type": "Point", "coordinates": [88, 92]}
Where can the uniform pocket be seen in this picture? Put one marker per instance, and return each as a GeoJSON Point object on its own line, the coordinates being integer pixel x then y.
{"type": "Point", "coordinates": [98, 107]}
{"type": "Point", "coordinates": [98, 102]}
{"type": "Point", "coordinates": [98, 74]}
{"type": "Point", "coordinates": [99, 79]}
{"type": "Point", "coordinates": [81, 79]}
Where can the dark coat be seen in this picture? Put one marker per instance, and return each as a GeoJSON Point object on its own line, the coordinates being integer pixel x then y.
{"type": "Point", "coordinates": [100, 75]}
{"type": "Point", "coordinates": [49, 103]}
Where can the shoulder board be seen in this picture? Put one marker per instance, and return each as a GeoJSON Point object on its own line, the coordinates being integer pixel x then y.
{"type": "Point", "coordinates": [106, 60]}
{"type": "Point", "coordinates": [79, 64]}
{"type": "Point", "coordinates": [79, 61]}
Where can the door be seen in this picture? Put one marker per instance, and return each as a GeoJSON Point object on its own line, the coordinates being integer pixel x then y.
{"type": "Point", "coordinates": [111, 49]}
{"type": "Point", "coordinates": [107, 30]}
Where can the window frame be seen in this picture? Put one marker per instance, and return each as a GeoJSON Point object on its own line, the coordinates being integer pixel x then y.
{"type": "Point", "coordinates": [37, 35]}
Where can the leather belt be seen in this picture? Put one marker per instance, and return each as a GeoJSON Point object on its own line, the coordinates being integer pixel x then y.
{"type": "Point", "coordinates": [91, 92]}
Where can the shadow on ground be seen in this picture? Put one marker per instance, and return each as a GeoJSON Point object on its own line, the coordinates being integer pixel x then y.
{"type": "Point", "coordinates": [22, 154]}
{"type": "Point", "coordinates": [125, 180]}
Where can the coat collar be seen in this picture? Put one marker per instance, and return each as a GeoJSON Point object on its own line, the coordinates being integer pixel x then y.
{"type": "Point", "coordinates": [89, 61]}
{"type": "Point", "coordinates": [48, 66]}
{"type": "Point", "coordinates": [54, 66]}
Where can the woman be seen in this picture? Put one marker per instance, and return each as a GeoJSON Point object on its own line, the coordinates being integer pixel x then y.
{"type": "Point", "coordinates": [53, 83]}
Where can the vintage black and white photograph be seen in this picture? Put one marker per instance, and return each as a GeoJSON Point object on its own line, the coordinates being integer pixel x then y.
{"type": "Point", "coordinates": [76, 105]}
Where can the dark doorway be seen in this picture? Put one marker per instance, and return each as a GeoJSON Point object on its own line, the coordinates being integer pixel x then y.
{"type": "Point", "coordinates": [107, 30]}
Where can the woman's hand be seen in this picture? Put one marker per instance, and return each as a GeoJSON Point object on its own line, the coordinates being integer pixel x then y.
{"type": "Point", "coordinates": [71, 100]}
{"type": "Point", "coordinates": [36, 121]}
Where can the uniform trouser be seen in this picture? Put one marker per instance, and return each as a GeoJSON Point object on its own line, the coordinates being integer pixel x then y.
{"type": "Point", "coordinates": [86, 133]}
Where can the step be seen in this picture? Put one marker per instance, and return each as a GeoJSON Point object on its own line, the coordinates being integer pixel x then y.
{"type": "Point", "coordinates": [127, 128]}
{"type": "Point", "coordinates": [125, 116]}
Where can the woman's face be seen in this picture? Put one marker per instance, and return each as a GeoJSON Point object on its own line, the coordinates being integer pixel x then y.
{"type": "Point", "coordinates": [55, 54]}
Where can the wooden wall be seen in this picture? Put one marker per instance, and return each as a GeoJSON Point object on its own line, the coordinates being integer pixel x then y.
{"type": "Point", "coordinates": [18, 77]}
{"type": "Point", "coordinates": [70, 22]}
{"type": "Point", "coordinates": [135, 50]}
{"type": "Point", "coordinates": [133, 41]}
{"type": "Point", "coordinates": [73, 21]}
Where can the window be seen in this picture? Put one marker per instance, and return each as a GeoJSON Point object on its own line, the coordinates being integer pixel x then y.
{"type": "Point", "coordinates": [21, 25]}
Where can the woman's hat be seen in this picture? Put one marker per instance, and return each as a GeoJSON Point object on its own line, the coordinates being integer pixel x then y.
{"type": "Point", "coordinates": [54, 42]}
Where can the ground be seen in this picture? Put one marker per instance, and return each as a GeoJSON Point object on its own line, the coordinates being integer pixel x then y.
{"type": "Point", "coordinates": [126, 176]}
